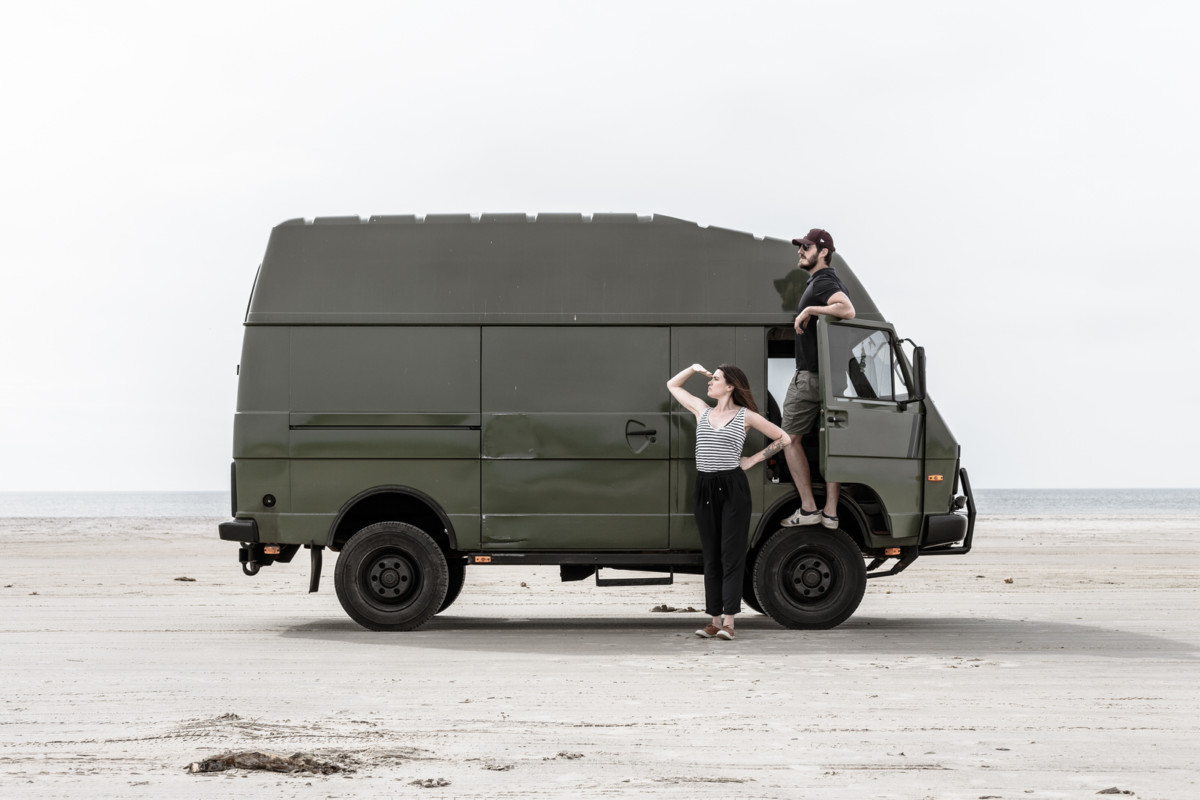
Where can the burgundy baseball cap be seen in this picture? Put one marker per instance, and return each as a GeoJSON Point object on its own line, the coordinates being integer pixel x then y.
{"type": "Point", "coordinates": [818, 237]}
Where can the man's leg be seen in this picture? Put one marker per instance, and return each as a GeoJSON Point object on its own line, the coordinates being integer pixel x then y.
{"type": "Point", "coordinates": [832, 491]}
{"type": "Point", "coordinates": [797, 463]}
{"type": "Point", "coordinates": [802, 406]}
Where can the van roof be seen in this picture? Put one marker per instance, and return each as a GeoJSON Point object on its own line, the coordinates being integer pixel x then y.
{"type": "Point", "coordinates": [516, 269]}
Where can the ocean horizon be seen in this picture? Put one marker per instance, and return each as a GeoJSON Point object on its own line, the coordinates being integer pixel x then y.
{"type": "Point", "coordinates": [990, 502]}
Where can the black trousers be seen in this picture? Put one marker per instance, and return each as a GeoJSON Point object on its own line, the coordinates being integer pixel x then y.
{"type": "Point", "coordinates": [722, 509]}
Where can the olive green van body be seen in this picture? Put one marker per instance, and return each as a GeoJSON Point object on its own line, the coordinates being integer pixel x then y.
{"type": "Point", "coordinates": [498, 384]}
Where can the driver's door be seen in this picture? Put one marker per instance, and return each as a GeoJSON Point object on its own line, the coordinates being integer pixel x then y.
{"type": "Point", "coordinates": [870, 433]}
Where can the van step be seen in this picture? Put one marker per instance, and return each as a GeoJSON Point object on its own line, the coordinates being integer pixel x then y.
{"type": "Point", "coordinates": [666, 580]}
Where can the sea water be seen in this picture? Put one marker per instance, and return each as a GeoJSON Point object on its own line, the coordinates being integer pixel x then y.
{"type": "Point", "coordinates": [996, 502]}
{"type": "Point", "coordinates": [1088, 502]}
{"type": "Point", "coordinates": [114, 504]}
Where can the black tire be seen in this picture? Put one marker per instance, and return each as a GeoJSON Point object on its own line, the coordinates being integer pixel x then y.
{"type": "Point", "coordinates": [810, 579]}
{"type": "Point", "coordinates": [391, 576]}
{"type": "Point", "coordinates": [748, 595]}
{"type": "Point", "coordinates": [457, 572]}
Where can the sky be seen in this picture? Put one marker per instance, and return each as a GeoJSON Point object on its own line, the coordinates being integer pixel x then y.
{"type": "Point", "coordinates": [1016, 184]}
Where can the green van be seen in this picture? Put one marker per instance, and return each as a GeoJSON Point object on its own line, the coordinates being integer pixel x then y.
{"type": "Point", "coordinates": [426, 394]}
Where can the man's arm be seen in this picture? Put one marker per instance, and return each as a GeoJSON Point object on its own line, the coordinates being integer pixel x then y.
{"type": "Point", "coordinates": [839, 306]}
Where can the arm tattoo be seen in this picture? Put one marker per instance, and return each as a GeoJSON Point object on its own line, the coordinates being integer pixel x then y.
{"type": "Point", "coordinates": [773, 448]}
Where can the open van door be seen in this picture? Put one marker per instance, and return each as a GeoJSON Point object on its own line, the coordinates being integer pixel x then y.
{"type": "Point", "coordinates": [871, 432]}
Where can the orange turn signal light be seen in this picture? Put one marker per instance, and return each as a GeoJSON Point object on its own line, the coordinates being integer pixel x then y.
{"type": "Point", "coordinates": [936, 478]}
{"type": "Point", "coordinates": [271, 549]}
{"type": "Point", "coordinates": [892, 551]}
{"type": "Point", "coordinates": [483, 559]}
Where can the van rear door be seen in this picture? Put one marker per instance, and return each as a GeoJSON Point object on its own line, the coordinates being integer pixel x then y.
{"type": "Point", "coordinates": [870, 433]}
{"type": "Point", "coordinates": [576, 441]}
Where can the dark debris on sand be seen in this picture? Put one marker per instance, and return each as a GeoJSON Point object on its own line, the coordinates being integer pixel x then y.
{"type": "Point", "coordinates": [297, 762]}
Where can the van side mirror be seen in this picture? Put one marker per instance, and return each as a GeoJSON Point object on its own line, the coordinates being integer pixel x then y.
{"type": "Point", "coordinates": [919, 372]}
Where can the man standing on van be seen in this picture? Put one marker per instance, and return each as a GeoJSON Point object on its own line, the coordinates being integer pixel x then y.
{"type": "Point", "coordinates": [824, 294]}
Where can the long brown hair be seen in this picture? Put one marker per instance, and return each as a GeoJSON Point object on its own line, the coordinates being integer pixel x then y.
{"type": "Point", "coordinates": [742, 395]}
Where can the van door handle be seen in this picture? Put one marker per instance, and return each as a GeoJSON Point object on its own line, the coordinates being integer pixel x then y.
{"type": "Point", "coordinates": [835, 421]}
{"type": "Point", "coordinates": [648, 436]}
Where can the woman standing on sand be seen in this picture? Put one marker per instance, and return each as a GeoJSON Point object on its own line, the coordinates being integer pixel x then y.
{"type": "Point", "coordinates": [722, 500]}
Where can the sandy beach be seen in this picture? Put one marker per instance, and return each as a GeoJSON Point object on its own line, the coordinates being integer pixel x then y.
{"type": "Point", "coordinates": [1057, 660]}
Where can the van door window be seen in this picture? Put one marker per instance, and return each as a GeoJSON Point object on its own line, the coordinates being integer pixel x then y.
{"type": "Point", "coordinates": [781, 367]}
{"type": "Point", "coordinates": [864, 364]}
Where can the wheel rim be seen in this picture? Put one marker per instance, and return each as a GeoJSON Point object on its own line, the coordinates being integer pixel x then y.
{"type": "Point", "coordinates": [391, 578]}
{"type": "Point", "coordinates": [808, 578]}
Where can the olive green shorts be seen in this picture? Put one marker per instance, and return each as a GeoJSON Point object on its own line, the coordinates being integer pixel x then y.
{"type": "Point", "coordinates": [802, 405]}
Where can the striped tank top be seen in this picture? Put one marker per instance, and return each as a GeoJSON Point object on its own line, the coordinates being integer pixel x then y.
{"type": "Point", "coordinates": [720, 449]}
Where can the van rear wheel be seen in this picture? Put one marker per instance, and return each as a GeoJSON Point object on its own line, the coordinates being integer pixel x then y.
{"type": "Point", "coordinates": [808, 579]}
{"type": "Point", "coordinates": [391, 576]}
{"type": "Point", "coordinates": [457, 572]}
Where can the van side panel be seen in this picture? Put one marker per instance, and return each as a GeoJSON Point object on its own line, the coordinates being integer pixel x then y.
{"type": "Point", "coordinates": [260, 425]}
{"type": "Point", "coordinates": [263, 371]}
{"type": "Point", "coordinates": [580, 504]}
{"type": "Point", "coordinates": [941, 458]}
{"type": "Point", "coordinates": [260, 429]}
{"type": "Point", "coordinates": [385, 368]}
{"type": "Point", "coordinates": [382, 405]}
{"type": "Point", "coordinates": [610, 270]}
{"type": "Point", "coordinates": [575, 437]}
{"type": "Point", "coordinates": [320, 488]}
{"type": "Point", "coordinates": [383, 442]}
{"type": "Point", "coordinates": [256, 478]}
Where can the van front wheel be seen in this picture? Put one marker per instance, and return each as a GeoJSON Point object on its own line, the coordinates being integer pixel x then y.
{"type": "Point", "coordinates": [748, 595]}
{"type": "Point", "coordinates": [391, 576]}
{"type": "Point", "coordinates": [809, 579]}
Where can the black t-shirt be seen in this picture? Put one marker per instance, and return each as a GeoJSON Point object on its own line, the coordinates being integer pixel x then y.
{"type": "Point", "coordinates": [821, 286]}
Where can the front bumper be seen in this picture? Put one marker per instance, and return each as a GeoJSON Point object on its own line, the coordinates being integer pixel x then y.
{"type": "Point", "coordinates": [946, 530]}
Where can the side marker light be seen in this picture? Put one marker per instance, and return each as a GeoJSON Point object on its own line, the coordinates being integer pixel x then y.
{"type": "Point", "coordinates": [936, 478]}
